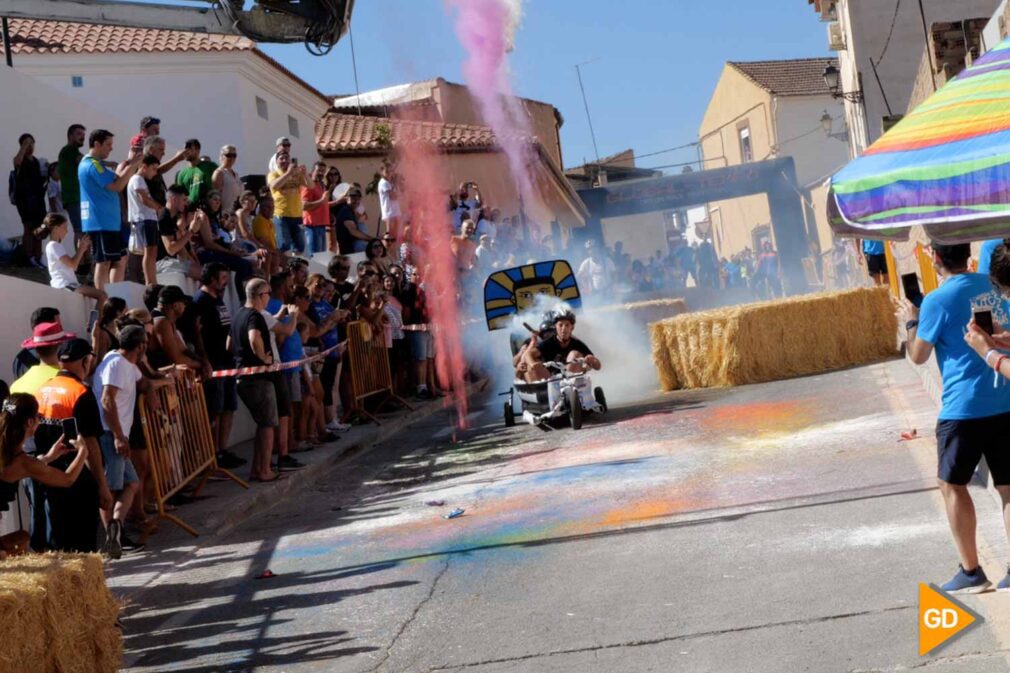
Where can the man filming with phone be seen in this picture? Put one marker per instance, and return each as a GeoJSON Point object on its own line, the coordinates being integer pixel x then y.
{"type": "Point", "coordinates": [975, 414]}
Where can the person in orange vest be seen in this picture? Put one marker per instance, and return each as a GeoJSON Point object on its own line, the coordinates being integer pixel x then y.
{"type": "Point", "coordinates": [71, 514]}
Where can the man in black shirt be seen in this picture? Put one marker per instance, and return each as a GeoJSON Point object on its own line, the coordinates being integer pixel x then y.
{"type": "Point", "coordinates": [176, 228]}
{"type": "Point", "coordinates": [73, 519]}
{"type": "Point", "coordinates": [250, 342]}
{"type": "Point", "coordinates": [210, 337]}
{"type": "Point", "coordinates": [562, 347]}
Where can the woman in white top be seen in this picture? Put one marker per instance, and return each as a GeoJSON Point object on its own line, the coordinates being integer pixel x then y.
{"type": "Point", "coordinates": [62, 266]}
{"type": "Point", "coordinates": [226, 180]}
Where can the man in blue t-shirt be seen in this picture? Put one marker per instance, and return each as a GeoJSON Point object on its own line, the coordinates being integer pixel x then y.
{"type": "Point", "coordinates": [975, 416]}
{"type": "Point", "coordinates": [876, 261]}
{"type": "Point", "coordinates": [100, 215]}
{"type": "Point", "coordinates": [985, 254]}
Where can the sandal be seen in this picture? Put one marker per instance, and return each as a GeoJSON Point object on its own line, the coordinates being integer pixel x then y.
{"type": "Point", "coordinates": [277, 477]}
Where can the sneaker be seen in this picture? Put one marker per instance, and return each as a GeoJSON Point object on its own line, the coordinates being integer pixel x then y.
{"type": "Point", "coordinates": [424, 394]}
{"type": "Point", "coordinates": [229, 460]}
{"type": "Point", "coordinates": [34, 261]}
{"type": "Point", "coordinates": [1004, 584]}
{"type": "Point", "coordinates": [289, 463]}
{"type": "Point", "coordinates": [965, 583]}
{"type": "Point", "coordinates": [130, 546]}
{"type": "Point", "coordinates": [327, 437]}
{"type": "Point", "coordinates": [302, 447]}
{"type": "Point", "coordinates": [336, 426]}
{"type": "Point", "coordinates": [113, 547]}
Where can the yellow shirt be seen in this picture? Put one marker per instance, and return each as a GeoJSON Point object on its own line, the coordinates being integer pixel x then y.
{"type": "Point", "coordinates": [287, 199]}
{"type": "Point", "coordinates": [34, 378]}
{"type": "Point", "coordinates": [263, 230]}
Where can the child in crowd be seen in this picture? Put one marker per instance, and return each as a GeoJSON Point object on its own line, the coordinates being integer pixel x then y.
{"type": "Point", "coordinates": [62, 267]}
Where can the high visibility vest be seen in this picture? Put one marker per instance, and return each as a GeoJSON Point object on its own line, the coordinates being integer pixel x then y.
{"type": "Point", "coordinates": [57, 398]}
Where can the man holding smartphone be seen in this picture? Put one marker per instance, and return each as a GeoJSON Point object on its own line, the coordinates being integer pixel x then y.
{"type": "Point", "coordinates": [72, 512]}
{"type": "Point", "coordinates": [975, 415]}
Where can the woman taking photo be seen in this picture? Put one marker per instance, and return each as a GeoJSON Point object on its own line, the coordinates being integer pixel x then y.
{"type": "Point", "coordinates": [19, 417]}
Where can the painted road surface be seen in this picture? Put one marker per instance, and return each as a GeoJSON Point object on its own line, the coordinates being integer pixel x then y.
{"type": "Point", "coordinates": [780, 527]}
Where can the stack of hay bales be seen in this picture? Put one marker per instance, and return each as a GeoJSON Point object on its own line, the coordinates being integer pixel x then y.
{"type": "Point", "coordinates": [774, 340]}
{"type": "Point", "coordinates": [645, 312]}
{"type": "Point", "coordinates": [57, 615]}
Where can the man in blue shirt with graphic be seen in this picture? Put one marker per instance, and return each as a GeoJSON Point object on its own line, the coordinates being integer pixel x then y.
{"type": "Point", "coordinates": [876, 261]}
{"type": "Point", "coordinates": [100, 214]}
{"type": "Point", "coordinates": [975, 416]}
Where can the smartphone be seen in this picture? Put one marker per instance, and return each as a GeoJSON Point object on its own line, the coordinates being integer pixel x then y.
{"type": "Point", "coordinates": [92, 319]}
{"type": "Point", "coordinates": [294, 161]}
{"type": "Point", "coordinates": [984, 320]}
{"type": "Point", "coordinates": [910, 282]}
{"type": "Point", "coordinates": [69, 429]}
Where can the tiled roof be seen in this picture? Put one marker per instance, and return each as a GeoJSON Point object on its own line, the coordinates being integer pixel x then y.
{"type": "Point", "coordinates": [797, 77]}
{"type": "Point", "coordinates": [338, 133]}
{"type": "Point", "coordinates": [61, 37]}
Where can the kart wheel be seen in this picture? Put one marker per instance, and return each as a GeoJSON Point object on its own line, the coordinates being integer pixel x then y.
{"type": "Point", "coordinates": [574, 408]}
{"type": "Point", "coordinates": [601, 399]}
{"type": "Point", "coordinates": [510, 415]}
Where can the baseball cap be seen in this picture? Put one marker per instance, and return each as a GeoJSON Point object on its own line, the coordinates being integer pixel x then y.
{"type": "Point", "coordinates": [282, 140]}
{"type": "Point", "coordinates": [74, 350]}
{"type": "Point", "coordinates": [148, 121]}
{"type": "Point", "coordinates": [47, 334]}
{"type": "Point", "coordinates": [171, 294]}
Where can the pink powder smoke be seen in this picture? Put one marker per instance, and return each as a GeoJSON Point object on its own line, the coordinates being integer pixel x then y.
{"type": "Point", "coordinates": [423, 186]}
{"type": "Point", "coordinates": [482, 27]}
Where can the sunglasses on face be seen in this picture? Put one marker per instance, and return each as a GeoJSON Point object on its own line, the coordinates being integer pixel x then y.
{"type": "Point", "coordinates": [230, 156]}
{"type": "Point", "coordinates": [262, 294]}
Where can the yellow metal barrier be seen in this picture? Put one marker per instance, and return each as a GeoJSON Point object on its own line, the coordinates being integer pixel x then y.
{"type": "Point", "coordinates": [180, 444]}
{"type": "Point", "coordinates": [892, 270]}
{"type": "Point", "coordinates": [927, 272]}
{"type": "Point", "coordinates": [369, 370]}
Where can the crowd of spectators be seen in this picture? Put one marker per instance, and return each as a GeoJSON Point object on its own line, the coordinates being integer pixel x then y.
{"type": "Point", "coordinates": [92, 221]}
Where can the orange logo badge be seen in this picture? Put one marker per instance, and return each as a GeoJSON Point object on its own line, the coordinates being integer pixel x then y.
{"type": "Point", "coordinates": [941, 618]}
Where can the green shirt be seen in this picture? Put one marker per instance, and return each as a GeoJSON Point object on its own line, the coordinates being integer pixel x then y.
{"type": "Point", "coordinates": [66, 166]}
{"type": "Point", "coordinates": [198, 180]}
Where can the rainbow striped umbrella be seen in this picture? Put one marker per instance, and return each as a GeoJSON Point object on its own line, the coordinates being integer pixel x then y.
{"type": "Point", "coordinates": [945, 166]}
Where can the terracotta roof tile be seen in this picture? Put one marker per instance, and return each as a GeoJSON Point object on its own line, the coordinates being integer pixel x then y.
{"type": "Point", "coordinates": [338, 133]}
{"type": "Point", "coordinates": [797, 77]}
{"type": "Point", "coordinates": [61, 37]}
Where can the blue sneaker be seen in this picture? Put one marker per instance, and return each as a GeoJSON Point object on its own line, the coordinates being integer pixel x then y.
{"type": "Point", "coordinates": [965, 583]}
{"type": "Point", "coordinates": [1004, 584]}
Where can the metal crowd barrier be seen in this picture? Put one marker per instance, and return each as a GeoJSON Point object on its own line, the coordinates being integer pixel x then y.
{"type": "Point", "coordinates": [369, 368]}
{"type": "Point", "coordinates": [180, 443]}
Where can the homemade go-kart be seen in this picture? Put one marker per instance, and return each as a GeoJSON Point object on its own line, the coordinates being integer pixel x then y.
{"type": "Point", "coordinates": [514, 292]}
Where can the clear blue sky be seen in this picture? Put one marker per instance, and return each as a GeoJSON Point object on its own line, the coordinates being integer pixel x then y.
{"type": "Point", "coordinates": [658, 60]}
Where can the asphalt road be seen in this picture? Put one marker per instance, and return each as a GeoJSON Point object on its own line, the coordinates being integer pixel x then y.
{"type": "Point", "coordinates": [779, 527]}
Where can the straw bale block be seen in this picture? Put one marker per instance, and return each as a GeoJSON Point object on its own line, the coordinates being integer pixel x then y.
{"type": "Point", "coordinates": [59, 615]}
{"type": "Point", "coordinates": [773, 340]}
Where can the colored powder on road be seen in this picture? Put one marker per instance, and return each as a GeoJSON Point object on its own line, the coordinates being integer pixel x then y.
{"type": "Point", "coordinates": [758, 417]}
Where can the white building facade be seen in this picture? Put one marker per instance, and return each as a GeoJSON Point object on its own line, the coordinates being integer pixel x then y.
{"type": "Point", "coordinates": [879, 52]}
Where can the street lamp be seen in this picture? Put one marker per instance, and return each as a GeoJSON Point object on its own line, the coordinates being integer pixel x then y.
{"type": "Point", "coordinates": [832, 80]}
{"type": "Point", "coordinates": [827, 123]}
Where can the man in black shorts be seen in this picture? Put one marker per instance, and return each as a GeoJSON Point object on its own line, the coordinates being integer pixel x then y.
{"type": "Point", "coordinates": [250, 342]}
{"type": "Point", "coordinates": [562, 347]}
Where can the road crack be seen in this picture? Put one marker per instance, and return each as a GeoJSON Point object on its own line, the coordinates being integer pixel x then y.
{"type": "Point", "coordinates": [671, 639]}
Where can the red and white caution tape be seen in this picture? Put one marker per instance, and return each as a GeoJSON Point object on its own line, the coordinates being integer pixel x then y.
{"type": "Point", "coordinates": [264, 369]}
{"type": "Point", "coordinates": [417, 328]}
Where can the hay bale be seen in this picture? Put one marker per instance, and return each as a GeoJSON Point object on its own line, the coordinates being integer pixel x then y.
{"type": "Point", "coordinates": [773, 340]}
{"type": "Point", "coordinates": [62, 614]}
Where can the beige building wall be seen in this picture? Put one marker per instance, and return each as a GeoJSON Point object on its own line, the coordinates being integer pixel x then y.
{"type": "Point", "coordinates": [641, 234]}
{"type": "Point", "coordinates": [737, 104]}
